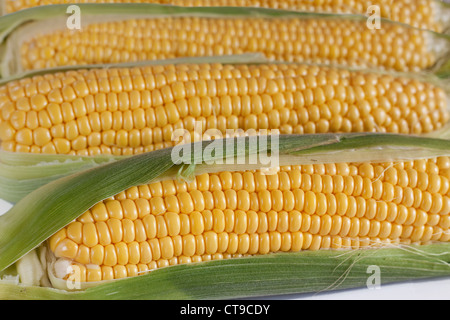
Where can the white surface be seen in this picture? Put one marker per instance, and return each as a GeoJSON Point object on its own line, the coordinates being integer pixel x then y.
{"type": "Point", "coordinates": [436, 289]}
{"type": "Point", "coordinates": [4, 206]}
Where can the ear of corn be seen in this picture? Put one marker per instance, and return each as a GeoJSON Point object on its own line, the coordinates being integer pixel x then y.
{"type": "Point", "coordinates": [427, 14]}
{"type": "Point", "coordinates": [41, 214]}
{"type": "Point", "coordinates": [97, 115]}
{"type": "Point", "coordinates": [288, 36]}
{"type": "Point", "coordinates": [124, 111]}
{"type": "Point", "coordinates": [230, 214]}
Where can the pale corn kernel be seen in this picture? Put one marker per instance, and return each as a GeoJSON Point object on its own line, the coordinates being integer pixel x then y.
{"type": "Point", "coordinates": [366, 53]}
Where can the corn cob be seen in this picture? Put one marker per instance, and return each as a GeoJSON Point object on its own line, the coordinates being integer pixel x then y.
{"type": "Point", "coordinates": [230, 214]}
{"type": "Point", "coordinates": [124, 111]}
{"type": "Point", "coordinates": [290, 40]}
{"type": "Point", "coordinates": [283, 36]}
{"type": "Point", "coordinates": [393, 194]}
{"type": "Point", "coordinates": [420, 13]}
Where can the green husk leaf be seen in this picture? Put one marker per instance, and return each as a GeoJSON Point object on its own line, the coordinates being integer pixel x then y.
{"type": "Point", "coordinates": [272, 274]}
{"type": "Point", "coordinates": [23, 166]}
{"type": "Point", "coordinates": [44, 211]}
{"type": "Point", "coordinates": [21, 173]}
{"type": "Point", "coordinates": [31, 159]}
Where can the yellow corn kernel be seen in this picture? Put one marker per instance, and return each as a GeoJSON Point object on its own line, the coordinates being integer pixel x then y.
{"type": "Point", "coordinates": [97, 124]}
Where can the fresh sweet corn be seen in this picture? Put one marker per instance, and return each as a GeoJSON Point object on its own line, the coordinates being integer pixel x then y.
{"type": "Point", "coordinates": [353, 192]}
{"type": "Point", "coordinates": [327, 40]}
{"type": "Point", "coordinates": [125, 111]}
{"type": "Point", "coordinates": [418, 13]}
{"type": "Point", "coordinates": [229, 214]}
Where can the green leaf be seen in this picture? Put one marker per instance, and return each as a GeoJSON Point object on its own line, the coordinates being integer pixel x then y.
{"type": "Point", "coordinates": [21, 173]}
{"type": "Point", "coordinates": [272, 274]}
